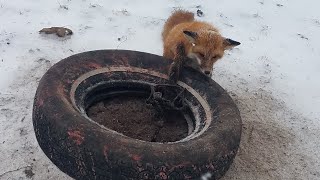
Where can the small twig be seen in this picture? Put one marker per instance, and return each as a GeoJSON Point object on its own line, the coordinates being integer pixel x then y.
{"type": "Point", "coordinates": [122, 41]}
{"type": "Point", "coordinates": [62, 6]}
{"type": "Point", "coordinates": [3, 174]}
{"type": "Point", "coordinates": [24, 117]}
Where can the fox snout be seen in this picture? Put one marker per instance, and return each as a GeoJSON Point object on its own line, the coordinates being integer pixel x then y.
{"type": "Point", "coordinates": [207, 72]}
{"type": "Point", "coordinates": [206, 66]}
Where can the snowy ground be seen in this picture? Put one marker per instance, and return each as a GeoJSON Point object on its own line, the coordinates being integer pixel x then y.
{"type": "Point", "coordinates": [273, 76]}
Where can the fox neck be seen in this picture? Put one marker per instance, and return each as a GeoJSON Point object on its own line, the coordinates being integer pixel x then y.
{"type": "Point", "coordinates": [194, 58]}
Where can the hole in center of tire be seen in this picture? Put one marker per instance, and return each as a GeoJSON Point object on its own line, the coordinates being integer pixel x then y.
{"type": "Point", "coordinates": [133, 117]}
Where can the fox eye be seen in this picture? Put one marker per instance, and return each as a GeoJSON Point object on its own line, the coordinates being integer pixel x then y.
{"type": "Point", "coordinates": [201, 55]}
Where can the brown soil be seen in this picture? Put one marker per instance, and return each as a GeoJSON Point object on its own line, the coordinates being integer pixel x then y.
{"type": "Point", "coordinates": [132, 117]}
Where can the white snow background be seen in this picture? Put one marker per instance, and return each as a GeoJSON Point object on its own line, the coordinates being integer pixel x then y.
{"type": "Point", "coordinates": [273, 76]}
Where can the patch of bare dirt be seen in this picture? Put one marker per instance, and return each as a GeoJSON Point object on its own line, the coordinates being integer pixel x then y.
{"type": "Point", "coordinates": [132, 117]}
{"type": "Point", "coordinates": [267, 148]}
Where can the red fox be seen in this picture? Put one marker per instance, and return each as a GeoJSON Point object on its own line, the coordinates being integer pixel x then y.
{"type": "Point", "coordinates": [203, 43]}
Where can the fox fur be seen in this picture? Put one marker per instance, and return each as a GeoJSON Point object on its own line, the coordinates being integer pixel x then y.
{"type": "Point", "coordinates": [203, 43]}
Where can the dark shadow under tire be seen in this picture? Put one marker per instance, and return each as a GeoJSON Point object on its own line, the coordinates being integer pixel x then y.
{"type": "Point", "coordinates": [84, 149]}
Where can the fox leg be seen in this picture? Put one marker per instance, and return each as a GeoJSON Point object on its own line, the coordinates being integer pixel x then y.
{"type": "Point", "coordinates": [174, 71]}
{"type": "Point", "coordinates": [179, 59]}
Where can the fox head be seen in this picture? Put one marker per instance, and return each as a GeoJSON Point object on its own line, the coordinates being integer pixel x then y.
{"type": "Point", "coordinates": [207, 47]}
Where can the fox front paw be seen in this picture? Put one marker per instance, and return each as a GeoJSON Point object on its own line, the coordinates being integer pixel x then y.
{"type": "Point", "coordinates": [174, 72]}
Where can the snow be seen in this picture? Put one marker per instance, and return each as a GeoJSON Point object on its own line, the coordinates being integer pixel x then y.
{"type": "Point", "coordinates": [272, 75]}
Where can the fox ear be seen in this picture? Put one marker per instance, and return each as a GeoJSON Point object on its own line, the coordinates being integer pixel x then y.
{"type": "Point", "coordinates": [191, 36]}
{"type": "Point", "coordinates": [229, 43]}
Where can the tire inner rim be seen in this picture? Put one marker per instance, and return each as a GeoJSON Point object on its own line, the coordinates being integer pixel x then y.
{"type": "Point", "coordinates": [81, 96]}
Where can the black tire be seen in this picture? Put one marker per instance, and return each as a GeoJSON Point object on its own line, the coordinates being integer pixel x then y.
{"type": "Point", "coordinates": [84, 149]}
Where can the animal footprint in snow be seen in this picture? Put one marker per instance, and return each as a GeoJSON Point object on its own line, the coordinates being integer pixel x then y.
{"type": "Point", "coordinates": [122, 12]}
{"type": "Point", "coordinates": [302, 36]}
{"type": "Point", "coordinates": [265, 30]}
{"type": "Point", "coordinates": [150, 21]}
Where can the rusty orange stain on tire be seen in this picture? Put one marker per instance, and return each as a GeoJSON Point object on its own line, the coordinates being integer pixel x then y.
{"type": "Point", "coordinates": [94, 65]}
{"type": "Point", "coordinates": [39, 101]}
{"type": "Point", "coordinates": [76, 136]}
{"type": "Point", "coordinates": [179, 166]}
{"type": "Point", "coordinates": [163, 175]}
{"type": "Point", "coordinates": [136, 157]}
